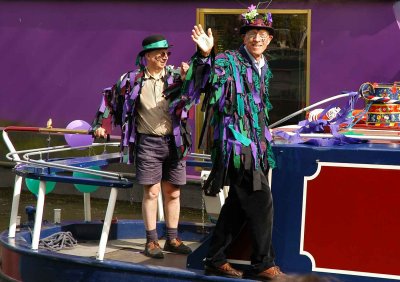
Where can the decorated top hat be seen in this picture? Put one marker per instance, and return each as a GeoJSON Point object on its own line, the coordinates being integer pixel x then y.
{"type": "Point", "coordinates": [152, 42]}
{"type": "Point", "coordinates": [253, 20]}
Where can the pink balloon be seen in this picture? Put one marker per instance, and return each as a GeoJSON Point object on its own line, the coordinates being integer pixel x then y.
{"type": "Point", "coordinates": [76, 140]}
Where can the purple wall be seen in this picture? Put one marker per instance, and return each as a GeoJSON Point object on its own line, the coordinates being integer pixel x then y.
{"type": "Point", "coordinates": [56, 57]}
{"type": "Point", "coordinates": [351, 44]}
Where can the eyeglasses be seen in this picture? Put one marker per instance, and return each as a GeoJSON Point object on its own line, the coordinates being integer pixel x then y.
{"type": "Point", "coordinates": [253, 36]}
{"type": "Point", "coordinates": [162, 54]}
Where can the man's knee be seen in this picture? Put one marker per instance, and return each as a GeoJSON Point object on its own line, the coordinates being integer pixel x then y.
{"type": "Point", "coordinates": [173, 194]}
{"type": "Point", "coordinates": [151, 192]}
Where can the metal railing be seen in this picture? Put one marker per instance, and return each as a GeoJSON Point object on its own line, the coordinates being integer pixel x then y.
{"type": "Point", "coordinates": [34, 159]}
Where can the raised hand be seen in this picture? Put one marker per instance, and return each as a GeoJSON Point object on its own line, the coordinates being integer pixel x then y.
{"type": "Point", "coordinates": [204, 41]}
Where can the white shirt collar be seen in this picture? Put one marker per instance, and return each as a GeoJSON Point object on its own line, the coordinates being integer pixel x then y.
{"type": "Point", "coordinates": [259, 64]}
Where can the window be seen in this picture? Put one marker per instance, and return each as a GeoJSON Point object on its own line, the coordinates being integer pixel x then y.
{"type": "Point", "coordinates": [288, 55]}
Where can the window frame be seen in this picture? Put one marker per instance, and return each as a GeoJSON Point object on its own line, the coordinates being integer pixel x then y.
{"type": "Point", "coordinates": [200, 19]}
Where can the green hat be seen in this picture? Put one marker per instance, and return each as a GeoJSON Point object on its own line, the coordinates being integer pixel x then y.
{"type": "Point", "coordinates": [150, 43]}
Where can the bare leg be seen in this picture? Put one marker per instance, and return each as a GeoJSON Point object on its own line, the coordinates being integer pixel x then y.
{"type": "Point", "coordinates": [149, 205]}
{"type": "Point", "coordinates": [172, 208]}
{"type": "Point", "coordinates": [171, 195]}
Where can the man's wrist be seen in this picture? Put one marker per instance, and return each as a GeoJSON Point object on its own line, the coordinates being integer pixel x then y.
{"type": "Point", "coordinates": [205, 54]}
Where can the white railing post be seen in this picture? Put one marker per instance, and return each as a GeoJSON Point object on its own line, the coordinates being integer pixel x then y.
{"type": "Point", "coordinates": [15, 206]}
{"type": "Point", "coordinates": [107, 224]}
{"type": "Point", "coordinates": [39, 215]}
{"type": "Point", "coordinates": [87, 207]}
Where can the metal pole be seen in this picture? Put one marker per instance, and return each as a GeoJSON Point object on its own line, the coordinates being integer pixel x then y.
{"type": "Point", "coordinates": [107, 224]}
{"type": "Point", "coordinates": [14, 207]}
{"type": "Point", "coordinates": [310, 107]}
{"type": "Point", "coordinates": [39, 215]}
{"type": "Point", "coordinates": [87, 208]}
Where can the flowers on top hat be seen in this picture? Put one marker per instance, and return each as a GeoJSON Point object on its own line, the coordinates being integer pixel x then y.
{"type": "Point", "coordinates": [253, 19]}
{"type": "Point", "coordinates": [251, 14]}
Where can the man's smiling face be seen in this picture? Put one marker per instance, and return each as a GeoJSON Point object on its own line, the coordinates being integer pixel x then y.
{"type": "Point", "coordinates": [256, 41]}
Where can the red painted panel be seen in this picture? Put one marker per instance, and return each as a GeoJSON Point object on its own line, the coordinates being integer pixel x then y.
{"type": "Point", "coordinates": [10, 263]}
{"type": "Point", "coordinates": [353, 219]}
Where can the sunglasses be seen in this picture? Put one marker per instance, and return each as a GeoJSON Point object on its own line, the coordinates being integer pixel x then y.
{"type": "Point", "coordinates": [163, 55]}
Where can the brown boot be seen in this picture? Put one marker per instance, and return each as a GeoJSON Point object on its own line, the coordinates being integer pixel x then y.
{"type": "Point", "coordinates": [223, 270]}
{"type": "Point", "coordinates": [273, 272]}
{"type": "Point", "coordinates": [153, 250]}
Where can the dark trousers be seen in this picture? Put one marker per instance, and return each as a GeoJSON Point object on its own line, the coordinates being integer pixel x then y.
{"type": "Point", "coordinates": [244, 205]}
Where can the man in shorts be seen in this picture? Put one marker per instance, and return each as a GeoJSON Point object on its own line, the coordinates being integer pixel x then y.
{"type": "Point", "coordinates": [137, 103]}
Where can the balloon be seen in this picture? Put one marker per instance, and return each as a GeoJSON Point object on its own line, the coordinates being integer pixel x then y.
{"type": "Point", "coordinates": [83, 187]}
{"type": "Point", "coordinates": [76, 140]}
{"type": "Point", "coordinates": [33, 185]}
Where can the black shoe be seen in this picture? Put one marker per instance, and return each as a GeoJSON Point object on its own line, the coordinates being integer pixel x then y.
{"type": "Point", "coordinates": [176, 246]}
{"type": "Point", "coordinates": [153, 250]}
{"type": "Point", "coordinates": [225, 270]}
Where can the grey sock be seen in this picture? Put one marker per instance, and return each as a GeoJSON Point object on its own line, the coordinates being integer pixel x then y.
{"type": "Point", "coordinates": [151, 235]}
{"type": "Point", "coordinates": [172, 233]}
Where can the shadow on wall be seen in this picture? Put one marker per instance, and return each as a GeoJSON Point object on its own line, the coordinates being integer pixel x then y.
{"type": "Point", "coordinates": [396, 10]}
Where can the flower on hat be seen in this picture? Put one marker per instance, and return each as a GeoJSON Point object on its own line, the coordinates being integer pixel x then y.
{"type": "Point", "coordinates": [251, 15]}
{"type": "Point", "coordinates": [268, 19]}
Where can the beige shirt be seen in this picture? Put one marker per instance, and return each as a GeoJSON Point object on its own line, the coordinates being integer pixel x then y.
{"type": "Point", "coordinates": [153, 116]}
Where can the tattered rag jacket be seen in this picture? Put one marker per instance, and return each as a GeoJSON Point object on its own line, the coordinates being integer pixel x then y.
{"type": "Point", "coordinates": [119, 108]}
{"type": "Point", "coordinates": [236, 105]}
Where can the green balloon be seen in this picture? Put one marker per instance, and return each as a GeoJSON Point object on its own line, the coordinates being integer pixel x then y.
{"type": "Point", "coordinates": [83, 187]}
{"type": "Point", "coordinates": [33, 185]}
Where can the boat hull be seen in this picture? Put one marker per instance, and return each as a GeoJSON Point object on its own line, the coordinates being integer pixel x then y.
{"type": "Point", "coordinates": [21, 263]}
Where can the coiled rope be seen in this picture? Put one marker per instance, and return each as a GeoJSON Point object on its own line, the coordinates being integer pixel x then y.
{"type": "Point", "coordinates": [58, 241]}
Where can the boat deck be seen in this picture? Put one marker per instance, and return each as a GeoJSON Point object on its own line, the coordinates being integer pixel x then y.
{"type": "Point", "coordinates": [130, 250]}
